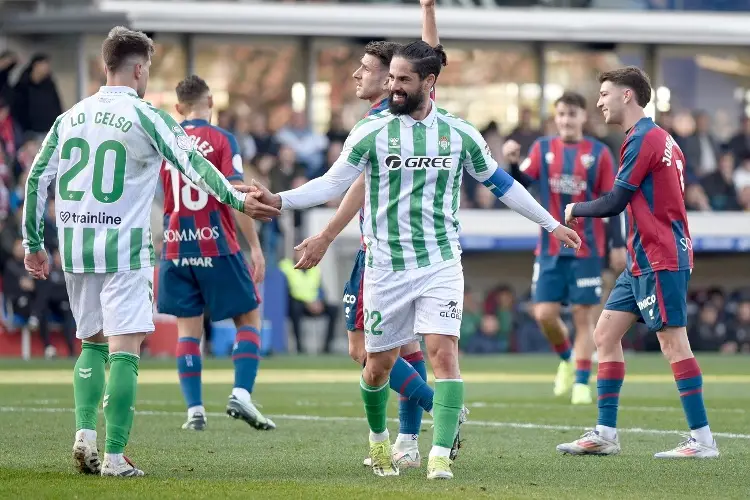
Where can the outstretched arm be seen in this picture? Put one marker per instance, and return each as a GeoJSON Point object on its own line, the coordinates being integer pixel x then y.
{"type": "Point", "coordinates": [429, 23]}
{"type": "Point", "coordinates": [315, 247]}
{"type": "Point", "coordinates": [609, 205]}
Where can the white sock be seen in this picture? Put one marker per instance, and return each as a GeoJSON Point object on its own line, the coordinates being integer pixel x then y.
{"type": "Point", "coordinates": [406, 441]}
{"type": "Point", "coordinates": [196, 409]}
{"type": "Point", "coordinates": [115, 458]}
{"type": "Point", "coordinates": [439, 451]}
{"type": "Point", "coordinates": [87, 434]}
{"type": "Point", "coordinates": [379, 437]}
{"type": "Point", "coordinates": [241, 394]}
{"type": "Point", "coordinates": [703, 436]}
{"type": "Point", "coordinates": [609, 433]}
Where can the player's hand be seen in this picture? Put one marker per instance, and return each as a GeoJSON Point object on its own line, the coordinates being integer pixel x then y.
{"type": "Point", "coordinates": [567, 236]}
{"type": "Point", "coordinates": [569, 219]}
{"type": "Point", "coordinates": [257, 202]}
{"type": "Point", "coordinates": [512, 151]}
{"type": "Point", "coordinates": [313, 249]}
{"type": "Point", "coordinates": [37, 264]}
{"type": "Point", "coordinates": [618, 259]}
{"type": "Point", "coordinates": [259, 265]}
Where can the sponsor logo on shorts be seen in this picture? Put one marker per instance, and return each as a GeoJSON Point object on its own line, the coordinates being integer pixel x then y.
{"type": "Point", "coordinates": [647, 302]}
{"type": "Point", "coordinates": [194, 261]}
{"type": "Point", "coordinates": [588, 282]}
{"type": "Point", "coordinates": [451, 310]}
{"type": "Point", "coordinates": [89, 218]}
{"type": "Point", "coordinates": [202, 234]}
{"type": "Point", "coordinates": [349, 300]}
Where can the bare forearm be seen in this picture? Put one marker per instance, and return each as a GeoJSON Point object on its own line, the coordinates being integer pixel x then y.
{"type": "Point", "coordinates": [429, 26]}
{"type": "Point", "coordinates": [350, 205]}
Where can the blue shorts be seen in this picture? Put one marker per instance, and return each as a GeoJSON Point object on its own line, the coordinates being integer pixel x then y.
{"type": "Point", "coordinates": [353, 301]}
{"type": "Point", "coordinates": [569, 280]}
{"type": "Point", "coordinates": [659, 299]}
{"type": "Point", "coordinates": [223, 284]}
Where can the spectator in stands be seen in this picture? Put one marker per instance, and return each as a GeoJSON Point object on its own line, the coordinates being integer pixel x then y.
{"type": "Point", "coordinates": [19, 288]}
{"type": "Point", "coordinates": [306, 299]}
{"type": "Point", "coordinates": [708, 146]}
{"type": "Point", "coordinates": [25, 157]}
{"type": "Point", "coordinates": [742, 175]}
{"type": "Point", "coordinates": [487, 340]}
{"type": "Point", "coordinates": [248, 148]}
{"type": "Point", "coordinates": [10, 132]}
{"type": "Point", "coordinates": [684, 136]}
{"type": "Point", "coordinates": [334, 150]}
{"type": "Point", "coordinates": [740, 143]}
{"type": "Point", "coordinates": [286, 172]}
{"type": "Point", "coordinates": [8, 61]}
{"type": "Point", "coordinates": [308, 145]}
{"type": "Point", "coordinates": [719, 185]}
{"type": "Point", "coordinates": [666, 121]}
{"type": "Point", "coordinates": [337, 132]}
{"type": "Point", "coordinates": [740, 329]}
{"type": "Point", "coordinates": [52, 299]}
{"type": "Point", "coordinates": [471, 318]}
{"type": "Point", "coordinates": [501, 303]}
{"type": "Point", "coordinates": [525, 134]}
{"type": "Point", "coordinates": [265, 142]}
{"type": "Point", "coordinates": [225, 120]}
{"type": "Point", "coordinates": [36, 102]}
{"type": "Point", "coordinates": [708, 333]}
{"type": "Point", "coordinates": [50, 224]}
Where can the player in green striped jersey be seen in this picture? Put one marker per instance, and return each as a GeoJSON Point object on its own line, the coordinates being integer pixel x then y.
{"type": "Point", "coordinates": [106, 152]}
{"type": "Point", "coordinates": [413, 157]}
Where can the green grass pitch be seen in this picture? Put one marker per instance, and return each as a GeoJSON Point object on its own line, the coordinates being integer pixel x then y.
{"type": "Point", "coordinates": [321, 439]}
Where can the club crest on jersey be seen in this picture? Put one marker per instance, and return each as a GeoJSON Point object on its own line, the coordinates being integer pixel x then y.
{"type": "Point", "coordinates": [444, 143]}
{"type": "Point", "coordinates": [549, 157]}
{"type": "Point", "coordinates": [184, 142]}
{"type": "Point", "coordinates": [394, 162]}
{"type": "Point", "coordinates": [587, 160]}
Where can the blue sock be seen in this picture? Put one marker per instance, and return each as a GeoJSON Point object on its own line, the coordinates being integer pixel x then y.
{"type": "Point", "coordinates": [564, 350]}
{"type": "Point", "coordinates": [608, 385]}
{"type": "Point", "coordinates": [689, 380]}
{"type": "Point", "coordinates": [406, 381]}
{"type": "Point", "coordinates": [246, 357]}
{"type": "Point", "coordinates": [189, 366]}
{"type": "Point", "coordinates": [583, 371]}
{"type": "Point", "coordinates": [409, 411]}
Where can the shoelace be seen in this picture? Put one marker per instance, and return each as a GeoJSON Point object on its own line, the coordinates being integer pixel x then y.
{"type": "Point", "coordinates": [689, 441]}
{"type": "Point", "coordinates": [442, 463]}
{"type": "Point", "coordinates": [381, 458]}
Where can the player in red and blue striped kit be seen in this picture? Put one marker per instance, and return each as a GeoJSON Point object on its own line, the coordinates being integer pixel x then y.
{"type": "Point", "coordinates": [653, 288]}
{"type": "Point", "coordinates": [202, 266]}
{"type": "Point", "coordinates": [568, 168]}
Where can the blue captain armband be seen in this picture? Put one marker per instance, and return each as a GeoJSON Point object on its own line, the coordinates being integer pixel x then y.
{"type": "Point", "coordinates": [499, 182]}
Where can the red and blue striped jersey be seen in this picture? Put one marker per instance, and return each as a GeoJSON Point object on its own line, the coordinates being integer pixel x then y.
{"type": "Point", "coordinates": [651, 165]}
{"type": "Point", "coordinates": [571, 173]}
{"type": "Point", "coordinates": [195, 223]}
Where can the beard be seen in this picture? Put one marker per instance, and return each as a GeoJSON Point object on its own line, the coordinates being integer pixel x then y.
{"type": "Point", "coordinates": [408, 105]}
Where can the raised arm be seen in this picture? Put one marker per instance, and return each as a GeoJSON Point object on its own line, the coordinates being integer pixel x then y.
{"type": "Point", "coordinates": [429, 23]}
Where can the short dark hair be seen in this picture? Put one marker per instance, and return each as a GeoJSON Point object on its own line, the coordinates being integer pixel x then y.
{"type": "Point", "coordinates": [382, 50]}
{"type": "Point", "coordinates": [632, 77]}
{"type": "Point", "coordinates": [425, 59]}
{"type": "Point", "coordinates": [191, 89]}
{"type": "Point", "coordinates": [122, 43]}
{"type": "Point", "coordinates": [572, 99]}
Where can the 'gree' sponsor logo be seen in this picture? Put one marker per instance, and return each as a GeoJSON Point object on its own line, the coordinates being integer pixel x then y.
{"type": "Point", "coordinates": [395, 162]}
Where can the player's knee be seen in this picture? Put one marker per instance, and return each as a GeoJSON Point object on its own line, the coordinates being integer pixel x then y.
{"type": "Point", "coordinates": [601, 339]}
{"type": "Point", "coordinates": [376, 372]}
{"type": "Point", "coordinates": [546, 314]}
{"type": "Point", "coordinates": [130, 343]}
{"type": "Point", "coordinates": [674, 344]}
{"type": "Point", "coordinates": [583, 316]}
{"type": "Point", "coordinates": [444, 359]}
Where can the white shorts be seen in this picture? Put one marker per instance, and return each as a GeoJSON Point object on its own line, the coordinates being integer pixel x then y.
{"type": "Point", "coordinates": [116, 303]}
{"type": "Point", "coordinates": [399, 306]}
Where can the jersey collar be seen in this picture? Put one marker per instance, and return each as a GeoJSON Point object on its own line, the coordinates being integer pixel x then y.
{"type": "Point", "coordinates": [429, 121]}
{"type": "Point", "coordinates": [198, 122]}
{"type": "Point", "coordinates": [118, 89]}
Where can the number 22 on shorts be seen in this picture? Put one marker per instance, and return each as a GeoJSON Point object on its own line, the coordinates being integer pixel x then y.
{"type": "Point", "coordinates": [372, 321]}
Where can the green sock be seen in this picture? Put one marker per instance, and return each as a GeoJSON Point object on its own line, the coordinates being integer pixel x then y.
{"type": "Point", "coordinates": [447, 406]}
{"type": "Point", "coordinates": [376, 405]}
{"type": "Point", "coordinates": [88, 383]}
{"type": "Point", "coordinates": [119, 401]}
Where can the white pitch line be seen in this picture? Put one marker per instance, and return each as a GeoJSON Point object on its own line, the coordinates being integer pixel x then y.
{"type": "Point", "coordinates": [317, 418]}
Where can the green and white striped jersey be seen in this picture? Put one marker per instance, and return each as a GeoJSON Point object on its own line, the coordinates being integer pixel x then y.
{"type": "Point", "coordinates": [413, 184]}
{"type": "Point", "coordinates": [106, 152]}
